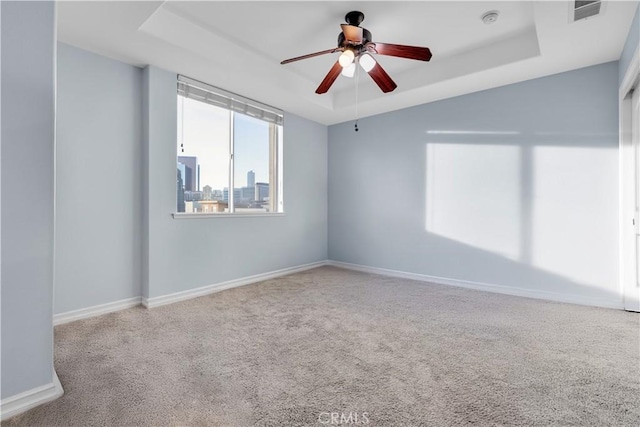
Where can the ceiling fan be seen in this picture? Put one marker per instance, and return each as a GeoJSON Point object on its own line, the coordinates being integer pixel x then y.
{"type": "Point", "coordinates": [356, 45]}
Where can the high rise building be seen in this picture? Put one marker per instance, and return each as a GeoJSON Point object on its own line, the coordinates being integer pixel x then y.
{"type": "Point", "coordinates": [262, 191]}
{"type": "Point", "coordinates": [187, 174]}
{"type": "Point", "coordinates": [207, 193]}
{"type": "Point", "coordinates": [246, 194]}
{"type": "Point", "coordinates": [251, 179]}
{"type": "Point", "coordinates": [191, 178]}
{"type": "Point", "coordinates": [180, 187]}
{"type": "Point", "coordinates": [237, 193]}
{"type": "Point", "coordinates": [183, 173]}
{"type": "Point", "coordinates": [188, 178]}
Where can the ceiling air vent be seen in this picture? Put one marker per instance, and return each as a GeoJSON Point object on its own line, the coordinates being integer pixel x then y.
{"type": "Point", "coordinates": [586, 9]}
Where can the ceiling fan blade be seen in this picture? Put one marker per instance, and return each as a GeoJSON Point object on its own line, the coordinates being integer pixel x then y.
{"type": "Point", "coordinates": [382, 79]}
{"type": "Point", "coordinates": [331, 77]}
{"type": "Point", "coordinates": [401, 51]}
{"type": "Point", "coordinates": [311, 55]}
{"type": "Point", "coordinates": [352, 33]}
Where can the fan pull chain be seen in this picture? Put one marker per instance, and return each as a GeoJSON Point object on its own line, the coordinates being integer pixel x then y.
{"type": "Point", "coordinates": [357, 77]}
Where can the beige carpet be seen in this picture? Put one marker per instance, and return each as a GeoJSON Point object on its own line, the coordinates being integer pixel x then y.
{"type": "Point", "coordinates": [388, 351]}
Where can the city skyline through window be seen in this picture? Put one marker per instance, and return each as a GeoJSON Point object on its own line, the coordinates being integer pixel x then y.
{"type": "Point", "coordinates": [211, 141]}
{"type": "Point", "coordinates": [251, 150]}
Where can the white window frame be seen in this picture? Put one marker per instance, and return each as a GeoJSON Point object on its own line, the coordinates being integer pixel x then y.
{"type": "Point", "coordinates": [204, 92]}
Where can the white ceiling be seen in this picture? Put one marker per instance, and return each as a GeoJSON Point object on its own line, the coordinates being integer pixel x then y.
{"type": "Point", "coordinates": [238, 46]}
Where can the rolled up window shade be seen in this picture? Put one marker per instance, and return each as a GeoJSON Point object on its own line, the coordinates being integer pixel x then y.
{"type": "Point", "coordinates": [203, 92]}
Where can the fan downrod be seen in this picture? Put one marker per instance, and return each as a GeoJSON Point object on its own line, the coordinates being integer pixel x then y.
{"type": "Point", "coordinates": [354, 18]}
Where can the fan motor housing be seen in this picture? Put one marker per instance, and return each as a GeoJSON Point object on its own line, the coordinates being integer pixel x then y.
{"type": "Point", "coordinates": [366, 38]}
{"type": "Point", "coordinates": [354, 17]}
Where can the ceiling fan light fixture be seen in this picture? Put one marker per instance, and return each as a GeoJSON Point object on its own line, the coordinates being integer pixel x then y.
{"type": "Point", "coordinates": [367, 62]}
{"type": "Point", "coordinates": [354, 42]}
{"type": "Point", "coordinates": [346, 58]}
{"type": "Point", "coordinates": [349, 70]}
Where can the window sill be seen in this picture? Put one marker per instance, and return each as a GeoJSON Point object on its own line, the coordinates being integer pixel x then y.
{"type": "Point", "coordinates": [178, 215]}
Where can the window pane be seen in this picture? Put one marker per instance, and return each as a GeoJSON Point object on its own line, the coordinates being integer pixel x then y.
{"type": "Point", "coordinates": [253, 165]}
{"type": "Point", "coordinates": [203, 157]}
{"type": "Point", "coordinates": [229, 152]}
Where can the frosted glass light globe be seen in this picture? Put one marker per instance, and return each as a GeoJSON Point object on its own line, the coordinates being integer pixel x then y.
{"type": "Point", "coordinates": [346, 58]}
{"type": "Point", "coordinates": [349, 70]}
{"type": "Point", "coordinates": [367, 62]}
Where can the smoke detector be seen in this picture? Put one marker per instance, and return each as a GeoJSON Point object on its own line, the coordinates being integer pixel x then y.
{"type": "Point", "coordinates": [490, 17]}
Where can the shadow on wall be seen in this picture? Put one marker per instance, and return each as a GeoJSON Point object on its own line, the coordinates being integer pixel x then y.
{"type": "Point", "coordinates": [490, 190]}
{"type": "Point", "coordinates": [514, 186]}
{"type": "Point", "coordinates": [470, 264]}
{"type": "Point", "coordinates": [534, 210]}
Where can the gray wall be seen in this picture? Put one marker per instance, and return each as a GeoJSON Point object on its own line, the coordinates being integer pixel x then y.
{"type": "Point", "coordinates": [28, 97]}
{"type": "Point", "coordinates": [630, 45]}
{"type": "Point", "coordinates": [189, 253]}
{"type": "Point", "coordinates": [515, 186]}
{"type": "Point", "coordinates": [99, 180]}
{"type": "Point", "coordinates": [116, 238]}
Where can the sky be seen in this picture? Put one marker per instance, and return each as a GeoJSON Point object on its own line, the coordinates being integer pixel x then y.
{"type": "Point", "coordinates": [203, 129]}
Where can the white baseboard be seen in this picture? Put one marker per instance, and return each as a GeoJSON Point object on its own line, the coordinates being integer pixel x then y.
{"type": "Point", "coordinates": [508, 290]}
{"type": "Point", "coordinates": [96, 310]}
{"type": "Point", "coordinates": [205, 290]}
{"type": "Point", "coordinates": [19, 403]}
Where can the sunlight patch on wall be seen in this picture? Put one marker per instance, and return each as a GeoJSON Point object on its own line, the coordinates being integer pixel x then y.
{"type": "Point", "coordinates": [473, 195]}
{"type": "Point", "coordinates": [564, 216]}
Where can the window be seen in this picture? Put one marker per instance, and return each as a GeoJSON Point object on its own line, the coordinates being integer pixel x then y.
{"type": "Point", "coordinates": [229, 152]}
